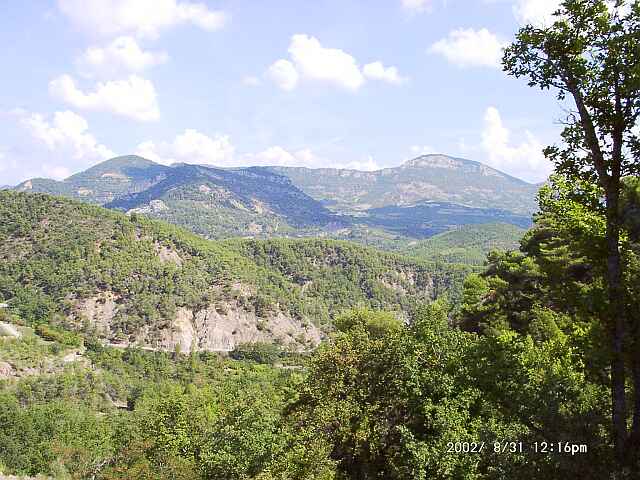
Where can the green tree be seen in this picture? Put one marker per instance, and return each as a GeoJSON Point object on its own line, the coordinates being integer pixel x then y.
{"type": "Point", "coordinates": [388, 398]}
{"type": "Point", "coordinates": [590, 55]}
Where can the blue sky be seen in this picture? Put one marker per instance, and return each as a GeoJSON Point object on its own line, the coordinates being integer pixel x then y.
{"type": "Point", "coordinates": [344, 83]}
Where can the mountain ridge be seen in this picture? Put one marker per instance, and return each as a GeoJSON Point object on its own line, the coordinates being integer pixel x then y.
{"type": "Point", "coordinates": [265, 201]}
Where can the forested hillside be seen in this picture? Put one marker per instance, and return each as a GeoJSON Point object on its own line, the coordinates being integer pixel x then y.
{"type": "Point", "coordinates": [512, 383]}
{"type": "Point", "coordinates": [468, 244]}
{"type": "Point", "coordinates": [134, 280]}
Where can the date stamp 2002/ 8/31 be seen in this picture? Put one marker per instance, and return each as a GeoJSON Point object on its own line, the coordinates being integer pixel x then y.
{"type": "Point", "coordinates": [559, 448]}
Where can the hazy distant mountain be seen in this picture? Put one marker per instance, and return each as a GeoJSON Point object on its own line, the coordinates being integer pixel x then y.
{"type": "Point", "coordinates": [430, 177]}
{"type": "Point", "coordinates": [103, 182]}
{"type": "Point", "coordinates": [423, 197]}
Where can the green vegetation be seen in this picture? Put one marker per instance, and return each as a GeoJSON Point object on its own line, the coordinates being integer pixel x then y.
{"type": "Point", "coordinates": [587, 56]}
{"type": "Point", "coordinates": [56, 253]}
{"type": "Point", "coordinates": [469, 244]}
{"type": "Point", "coordinates": [540, 353]}
{"type": "Point", "coordinates": [217, 203]}
{"type": "Point", "coordinates": [523, 359]}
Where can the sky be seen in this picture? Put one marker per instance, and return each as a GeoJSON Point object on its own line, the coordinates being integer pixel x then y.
{"type": "Point", "coordinates": [362, 84]}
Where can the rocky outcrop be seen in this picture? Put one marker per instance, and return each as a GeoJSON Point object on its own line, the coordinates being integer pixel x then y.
{"type": "Point", "coordinates": [99, 311]}
{"type": "Point", "coordinates": [219, 327]}
{"type": "Point", "coordinates": [222, 329]}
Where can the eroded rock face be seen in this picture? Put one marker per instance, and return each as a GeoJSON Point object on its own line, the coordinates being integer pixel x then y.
{"type": "Point", "coordinates": [214, 329]}
{"type": "Point", "coordinates": [219, 327]}
{"type": "Point", "coordinates": [98, 311]}
{"type": "Point", "coordinates": [167, 254]}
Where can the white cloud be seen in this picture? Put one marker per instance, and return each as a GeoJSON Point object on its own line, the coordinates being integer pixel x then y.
{"type": "Point", "coordinates": [122, 54]}
{"type": "Point", "coordinates": [279, 156]}
{"type": "Point", "coordinates": [536, 12]}
{"type": "Point", "coordinates": [275, 155]}
{"type": "Point", "coordinates": [134, 98]}
{"type": "Point", "coordinates": [195, 147]}
{"type": "Point", "coordinates": [524, 160]}
{"type": "Point", "coordinates": [144, 18]}
{"type": "Point", "coordinates": [67, 139]}
{"type": "Point", "coordinates": [283, 74]}
{"type": "Point", "coordinates": [312, 61]}
{"type": "Point", "coordinates": [325, 64]}
{"type": "Point", "coordinates": [470, 48]}
{"type": "Point", "coordinates": [377, 71]}
{"type": "Point", "coordinates": [417, 5]}
{"type": "Point", "coordinates": [190, 146]}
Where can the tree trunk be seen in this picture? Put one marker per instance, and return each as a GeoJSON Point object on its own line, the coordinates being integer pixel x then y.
{"type": "Point", "coordinates": [618, 324]}
{"type": "Point", "coordinates": [633, 445]}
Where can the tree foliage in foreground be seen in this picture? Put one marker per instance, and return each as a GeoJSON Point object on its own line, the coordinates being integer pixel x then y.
{"type": "Point", "coordinates": [589, 55]}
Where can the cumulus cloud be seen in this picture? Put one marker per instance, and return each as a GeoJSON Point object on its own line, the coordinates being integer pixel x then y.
{"type": "Point", "coordinates": [377, 71]}
{"type": "Point", "coordinates": [67, 130]}
{"type": "Point", "coordinates": [417, 150]}
{"type": "Point", "coordinates": [59, 144]}
{"type": "Point", "coordinates": [326, 64]}
{"type": "Point", "coordinates": [284, 74]}
{"type": "Point", "coordinates": [279, 156]}
{"type": "Point", "coordinates": [524, 160]}
{"type": "Point", "coordinates": [195, 147]}
{"type": "Point", "coordinates": [143, 18]}
{"type": "Point", "coordinates": [191, 146]}
{"type": "Point", "coordinates": [134, 97]}
{"type": "Point", "coordinates": [310, 60]}
{"type": "Point", "coordinates": [123, 54]}
{"type": "Point", "coordinates": [367, 165]}
{"type": "Point", "coordinates": [536, 12]}
{"type": "Point", "coordinates": [470, 48]}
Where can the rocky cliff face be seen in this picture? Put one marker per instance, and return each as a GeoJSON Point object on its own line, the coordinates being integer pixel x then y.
{"type": "Point", "coordinates": [219, 327]}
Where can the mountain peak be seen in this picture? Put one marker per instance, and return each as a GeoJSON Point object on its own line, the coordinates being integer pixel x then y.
{"type": "Point", "coordinates": [119, 165]}
{"type": "Point", "coordinates": [435, 161]}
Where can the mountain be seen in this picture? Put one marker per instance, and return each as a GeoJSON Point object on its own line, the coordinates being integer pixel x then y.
{"type": "Point", "coordinates": [221, 203]}
{"type": "Point", "coordinates": [423, 197]}
{"type": "Point", "coordinates": [104, 182]}
{"type": "Point", "coordinates": [468, 244]}
{"type": "Point", "coordinates": [430, 177]}
{"type": "Point", "coordinates": [131, 280]}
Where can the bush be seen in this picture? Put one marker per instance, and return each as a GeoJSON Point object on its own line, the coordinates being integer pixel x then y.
{"type": "Point", "coordinates": [63, 337]}
{"type": "Point", "coordinates": [259, 352]}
